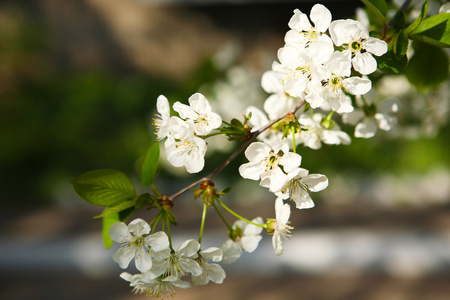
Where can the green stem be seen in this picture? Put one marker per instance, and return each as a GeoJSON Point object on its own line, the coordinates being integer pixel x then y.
{"type": "Point", "coordinates": [210, 135]}
{"type": "Point", "coordinates": [222, 217]}
{"type": "Point", "coordinates": [168, 234]}
{"type": "Point", "coordinates": [156, 220]}
{"type": "Point", "coordinates": [294, 149]}
{"type": "Point", "coordinates": [202, 225]}
{"type": "Point", "coordinates": [238, 216]}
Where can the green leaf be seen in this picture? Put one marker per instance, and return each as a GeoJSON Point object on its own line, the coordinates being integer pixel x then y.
{"type": "Point", "coordinates": [107, 222]}
{"type": "Point", "coordinates": [116, 208]}
{"type": "Point", "coordinates": [104, 187]}
{"type": "Point", "coordinates": [416, 23]}
{"type": "Point", "coordinates": [400, 44]}
{"type": "Point", "coordinates": [434, 30]}
{"type": "Point", "coordinates": [389, 63]}
{"type": "Point", "coordinates": [399, 21]}
{"type": "Point", "coordinates": [150, 165]}
{"type": "Point", "coordinates": [378, 7]}
{"type": "Point", "coordinates": [428, 67]}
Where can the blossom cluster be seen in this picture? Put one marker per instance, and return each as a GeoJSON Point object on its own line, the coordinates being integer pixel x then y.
{"type": "Point", "coordinates": [184, 145]}
{"type": "Point", "coordinates": [162, 267]}
{"type": "Point", "coordinates": [323, 66]}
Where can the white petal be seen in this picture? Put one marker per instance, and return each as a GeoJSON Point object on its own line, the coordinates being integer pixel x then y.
{"type": "Point", "coordinates": [257, 151]}
{"type": "Point", "coordinates": [258, 118]}
{"type": "Point", "coordinates": [139, 227]}
{"type": "Point", "coordinates": [316, 182]}
{"type": "Point", "coordinates": [277, 243]}
{"type": "Point", "coordinates": [199, 103]}
{"type": "Point", "coordinates": [143, 260]}
{"type": "Point", "coordinates": [357, 85]}
{"type": "Point", "coordinates": [303, 202]}
{"type": "Point", "coordinates": [231, 252]}
{"type": "Point", "coordinates": [375, 46]}
{"type": "Point", "coordinates": [290, 160]}
{"type": "Point", "coordinates": [321, 17]}
{"type": "Point", "coordinates": [158, 241]}
{"type": "Point", "coordinates": [364, 63]}
{"type": "Point", "coordinates": [124, 255]}
{"type": "Point", "coordinates": [213, 253]}
{"type": "Point", "coordinates": [188, 248]}
{"type": "Point", "coordinates": [251, 229]}
{"type": "Point", "coordinates": [271, 83]}
{"type": "Point", "coordinates": [216, 274]}
{"type": "Point", "coordinates": [366, 129]}
{"type": "Point", "coordinates": [119, 233]}
{"type": "Point", "coordinates": [250, 243]}
{"type": "Point", "coordinates": [162, 106]}
{"type": "Point", "coordinates": [251, 170]}
{"type": "Point", "coordinates": [282, 211]}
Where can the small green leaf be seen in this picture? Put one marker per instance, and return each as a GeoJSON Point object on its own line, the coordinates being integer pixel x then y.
{"type": "Point", "coordinates": [107, 222]}
{"type": "Point", "coordinates": [400, 45]}
{"type": "Point", "coordinates": [150, 165]}
{"type": "Point", "coordinates": [116, 208]}
{"type": "Point", "coordinates": [434, 30]}
{"type": "Point", "coordinates": [428, 67]}
{"type": "Point", "coordinates": [416, 23]}
{"type": "Point", "coordinates": [378, 7]}
{"type": "Point", "coordinates": [104, 187]}
{"type": "Point", "coordinates": [399, 21]}
{"type": "Point", "coordinates": [389, 63]}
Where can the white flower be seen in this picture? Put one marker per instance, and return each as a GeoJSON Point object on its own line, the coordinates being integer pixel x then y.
{"type": "Point", "coordinates": [337, 83]}
{"type": "Point", "coordinates": [300, 182]}
{"type": "Point", "coordinates": [304, 35]}
{"type": "Point", "coordinates": [279, 226]}
{"type": "Point", "coordinates": [161, 121]}
{"type": "Point", "coordinates": [153, 287]}
{"type": "Point", "coordinates": [211, 272]}
{"type": "Point", "coordinates": [183, 148]}
{"type": "Point", "coordinates": [199, 114]}
{"type": "Point", "coordinates": [357, 43]}
{"type": "Point", "coordinates": [136, 244]}
{"type": "Point", "coordinates": [316, 133]}
{"type": "Point", "coordinates": [375, 117]}
{"type": "Point", "coordinates": [279, 103]}
{"type": "Point", "coordinates": [265, 161]}
{"type": "Point", "coordinates": [244, 237]}
{"type": "Point", "coordinates": [298, 70]}
{"type": "Point", "coordinates": [176, 264]}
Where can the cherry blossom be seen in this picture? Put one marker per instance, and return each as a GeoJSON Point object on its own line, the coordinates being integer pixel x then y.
{"type": "Point", "coordinates": [357, 43]}
{"type": "Point", "coordinates": [265, 161]}
{"type": "Point", "coordinates": [279, 227]}
{"type": "Point", "coordinates": [211, 272]}
{"type": "Point", "coordinates": [161, 120]}
{"type": "Point", "coordinates": [183, 148]}
{"type": "Point", "coordinates": [304, 35]}
{"type": "Point", "coordinates": [198, 114]}
{"type": "Point", "coordinates": [153, 287]}
{"type": "Point", "coordinates": [300, 182]}
{"type": "Point", "coordinates": [243, 237]}
{"type": "Point", "coordinates": [136, 243]}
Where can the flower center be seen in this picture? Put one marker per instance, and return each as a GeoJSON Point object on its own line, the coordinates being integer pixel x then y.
{"type": "Point", "coordinates": [186, 146]}
{"type": "Point", "coordinates": [355, 46]}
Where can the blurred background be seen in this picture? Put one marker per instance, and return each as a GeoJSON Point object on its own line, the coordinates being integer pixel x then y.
{"type": "Point", "coordinates": [78, 85]}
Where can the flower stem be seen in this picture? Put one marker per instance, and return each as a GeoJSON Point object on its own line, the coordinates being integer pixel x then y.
{"type": "Point", "coordinates": [168, 234]}
{"type": "Point", "coordinates": [202, 225]}
{"type": "Point", "coordinates": [156, 221]}
{"type": "Point", "coordinates": [238, 216]}
{"type": "Point", "coordinates": [294, 149]}
{"type": "Point", "coordinates": [222, 217]}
